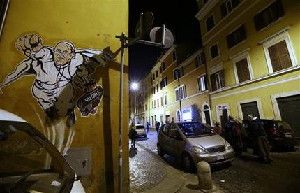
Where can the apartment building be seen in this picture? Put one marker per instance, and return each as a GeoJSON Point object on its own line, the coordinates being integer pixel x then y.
{"type": "Point", "coordinates": [253, 53]}
{"type": "Point", "coordinates": [179, 91]}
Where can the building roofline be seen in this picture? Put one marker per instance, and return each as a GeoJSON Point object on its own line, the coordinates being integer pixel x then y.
{"type": "Point", "coordinates": [206, 9]}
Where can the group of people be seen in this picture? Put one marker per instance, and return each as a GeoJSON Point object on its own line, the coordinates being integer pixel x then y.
{"type": "Point", "coordinates": [239, 138]}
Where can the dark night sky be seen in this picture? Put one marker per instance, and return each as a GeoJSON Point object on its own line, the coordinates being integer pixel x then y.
{"type": "Point", "coordinates": [179, 17]}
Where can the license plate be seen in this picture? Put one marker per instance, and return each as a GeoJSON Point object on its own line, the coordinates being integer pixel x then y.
{"type": "Point", "coordinates": [288, 135]}
{"type": "Point", "coordinates": [220, 157]}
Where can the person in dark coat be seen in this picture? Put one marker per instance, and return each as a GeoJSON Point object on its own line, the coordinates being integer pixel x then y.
{"type": "Point", "coordinates": [228, 132]}
{"type": "Point", "coordinates": [261, 140]}
{"type": "Point", "coordinates": [157, 125]}
{"type": "Point", "coordinates": [132, 136]}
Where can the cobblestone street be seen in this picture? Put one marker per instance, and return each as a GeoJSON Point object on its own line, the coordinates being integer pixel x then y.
{"type": "Point", "coordinates": [150, 173]}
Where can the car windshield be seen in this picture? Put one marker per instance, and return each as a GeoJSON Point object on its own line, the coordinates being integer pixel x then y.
{"type": "Point", "coordinates": [194, 129]}
{"type": "Point", "coordinates": [139, 127]}
{"type": "Point", "coordinates": [27, 163]}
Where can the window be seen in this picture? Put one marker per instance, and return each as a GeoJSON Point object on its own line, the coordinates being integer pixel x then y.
{"type": "Point", "coordinates": [163, 83]}
{"type": "Point", "coordinates": [145, 106]}
{"type": "Point", "coordinates": [202, 83]}
{"type": "Point", "coordinates": [154, 102]}
{"type": "Point", "coordinates": [242, 70]}
{"type": "Point", "coordinates": [279, 52]}
{"type": "Point", "coordinates": [163, 66]}
{"type": "Point", "coordinates": [153, 76]}
{"type": "Point", "coordinates": [214, 51]}
{"type": "Point", "coordinates": [3, 8]}
{"type": "Point", "coordinates": [180, 92]}
{"type": "Point", "coordinates": [268, 15]}
{"type": "Point", "coordinates": [166, 99]}
{"type": "Point", "coordinates": [279, 55]}
{"type": "Point", "coordinates": [161, 101]}
{"type": "Point", "coordinates": [227, 6]}
{"type": "Point", "coordinates": [236, 36]}
{"type": "Point", "coordinates": [210, 23]}
{"type": "Point", "coordinates": [178, 73]}
{"type": "Point", "coordinates": [200, 59]}
{"type": "Point", "coordinates": [217, 80]}
{"type": "Point", "coordinates": [174, 56]}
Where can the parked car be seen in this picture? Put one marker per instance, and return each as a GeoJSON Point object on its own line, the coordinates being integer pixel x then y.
{"type": "Point", "coordinates": [193, 142]}
{"type": "Point", "coordinates": [280, 134]}
{"type": "Point", "coordinates": [29, 162]}
{"type": "Point", "coordinates": [141, 131]}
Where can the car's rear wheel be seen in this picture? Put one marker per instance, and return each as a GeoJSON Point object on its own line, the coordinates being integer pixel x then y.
{"type": "Point", "coordinates": [188, 163]}
{"type": "Point", "coordinates": [160, 151]}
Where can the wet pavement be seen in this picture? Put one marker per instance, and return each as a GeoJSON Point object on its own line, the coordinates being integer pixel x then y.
{"type": "Point", "coordinates": [145, 168]}
{"type": "Point", "coordinates": [245, 175]}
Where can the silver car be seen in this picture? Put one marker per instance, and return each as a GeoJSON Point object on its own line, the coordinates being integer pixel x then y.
{"type": "Point", "coordinates": [193, 142]}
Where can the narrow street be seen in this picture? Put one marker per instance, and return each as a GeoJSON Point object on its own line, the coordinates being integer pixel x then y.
{"type": "Point", "coordinates": [245, 175]}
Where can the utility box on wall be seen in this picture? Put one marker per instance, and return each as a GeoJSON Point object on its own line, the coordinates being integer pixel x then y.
{"type": "Point", "coordinates": [80, 160]}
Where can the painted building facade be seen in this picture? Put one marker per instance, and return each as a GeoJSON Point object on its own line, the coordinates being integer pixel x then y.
{"type": "Point", "coordinates": [38, 81]}
{"type": "Point", "coordinates": [179, 91]}
{"type": "Point", "coordinates": [253, 54]}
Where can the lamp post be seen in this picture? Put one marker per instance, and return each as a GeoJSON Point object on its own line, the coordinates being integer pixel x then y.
{"type": "Point", "coordinates": [146, 22]}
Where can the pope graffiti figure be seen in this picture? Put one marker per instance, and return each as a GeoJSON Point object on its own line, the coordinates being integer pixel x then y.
{"type": "Point", "coordinates": [56, 71]}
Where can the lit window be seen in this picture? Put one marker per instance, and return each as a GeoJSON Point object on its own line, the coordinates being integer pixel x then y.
{"type": "Point", "coordinates": [202, 83]}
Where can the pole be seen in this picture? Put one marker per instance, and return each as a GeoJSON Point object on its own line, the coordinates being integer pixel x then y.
{"type": "Point", "coordinates": [135, 108]}
{"type": "Point", "coordinates": [123, 41]}
{"type": "Point", "coordinates": [180, 95]}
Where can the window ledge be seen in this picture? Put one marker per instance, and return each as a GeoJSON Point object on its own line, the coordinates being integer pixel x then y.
{"type": "Point", "coordinates": [271, 75]}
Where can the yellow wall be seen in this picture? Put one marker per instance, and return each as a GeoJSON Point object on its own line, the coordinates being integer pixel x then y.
{"type": "Point", "coordinates": [88, 24]}
{"type": "Point", "coordinates": [262, 90]}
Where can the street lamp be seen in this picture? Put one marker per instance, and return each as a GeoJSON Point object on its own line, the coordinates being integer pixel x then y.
{"type": "Point", "coordinates": [135, 87]}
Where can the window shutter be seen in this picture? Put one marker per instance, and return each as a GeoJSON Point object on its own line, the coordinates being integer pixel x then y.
{"type": "Point", "coordinates": [223, 10]}
{"type": "Point", "coordinates": [213, 82]}
{"type": "Point", "coordinates": [242, 70]}
{"type": "Point", "coordinates": [280, 57]}
{"type": "Point", "coordinates": [222, 78]}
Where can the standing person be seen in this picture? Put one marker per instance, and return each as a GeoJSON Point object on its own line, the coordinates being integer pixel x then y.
{"type": "Point", "coordinates": [261, 141]}
{"type": "Point", "coordinates": [132, 135]}
{"type": "Point", "coordinates": [229, 130]}
{"type": "Point", "coordinates": [237, 137]}
{"type": "Point", "coordinates": [157, 126]}
{"type": "Point", "coordinates": [148, 127]}
{"type": "Point", "coordinates": [217, 129]}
